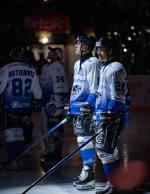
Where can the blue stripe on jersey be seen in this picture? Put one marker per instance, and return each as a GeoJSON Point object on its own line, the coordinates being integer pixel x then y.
{"type": "Point", "coordinates": [75, 107]}
{"type": "Point", "coordinates": [116, 106]}
{"type": "Point", "coordinates": [91, 99]}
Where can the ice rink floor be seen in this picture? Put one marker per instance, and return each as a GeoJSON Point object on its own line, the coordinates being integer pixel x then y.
{"type": "Point", "coordinates": [58, 182]}
{"type": "Point", "coordinates": [134, 145]}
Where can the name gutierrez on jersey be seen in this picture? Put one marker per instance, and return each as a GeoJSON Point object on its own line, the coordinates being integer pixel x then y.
{"type": "Point", "coordinates": [21, 72]}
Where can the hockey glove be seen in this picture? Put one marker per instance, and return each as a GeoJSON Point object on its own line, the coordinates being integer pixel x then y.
{"type": "Point", "coordinates": [86, 113]}
{"type": "Point", "coordinates": [86, 110]}
{"type": "Point", "coordinates": [108, 121]}
{"type": "Point", "coordinates": [86, 119]}
{"type": "Point", "coordinates": [50, 110]}
{"type": "Point", "coordinates": [67, 112]}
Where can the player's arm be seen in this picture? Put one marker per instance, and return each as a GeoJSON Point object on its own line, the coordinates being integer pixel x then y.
{"type": "Point", "coordinates": [116, 81]}
{"type": "Point", "coordinates": [93, 81]}
{"type": "Point", "coordinates": [36, 88]}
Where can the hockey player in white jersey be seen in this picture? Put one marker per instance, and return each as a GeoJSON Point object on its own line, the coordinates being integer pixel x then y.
{"type": "Point", "coordinates": [55, 92]}
{"type": "Point", "coordinates": [112, 108]}
{"type": "Point", "coordinates": [82, 104]}
{"type": "Point", "coordinates": [19, 85]}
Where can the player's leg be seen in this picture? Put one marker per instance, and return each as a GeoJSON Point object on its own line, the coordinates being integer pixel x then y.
{"type": "Point", "coordinates": [106, 147]}
{"type": "Point", "coordinates": [86, 178]}
{"type": "Point", "coordinates": [14, 137]}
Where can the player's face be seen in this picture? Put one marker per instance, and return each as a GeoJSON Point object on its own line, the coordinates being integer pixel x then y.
{"type": "Point", "coordinates": [50, 55]}
{"type": "Point", "coordinates": [77, 46]}
{"type": "Point", "coordinates": [80, 47]}
{"type": "Point", "coordinates": [102, 54]}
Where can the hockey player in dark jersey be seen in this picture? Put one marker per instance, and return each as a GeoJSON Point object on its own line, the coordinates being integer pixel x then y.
{"type": "Point", "coordinates": [112, 108]}
{"type": "Point", "coordinates": [82, 104]}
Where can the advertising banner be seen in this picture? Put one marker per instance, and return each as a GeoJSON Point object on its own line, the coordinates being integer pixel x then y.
{"type": "Point", "coordinates": [49, 23]}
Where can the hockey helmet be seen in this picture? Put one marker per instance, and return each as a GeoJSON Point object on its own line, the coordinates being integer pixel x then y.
{"type": "Point", "coordinates": [87, 40]}
{"type": "Point", "coordinates": [18, 54]}
{"type": "Point", "coordinates": [109, 43]}
{"type": "Point", "coordinates": [105, 42]}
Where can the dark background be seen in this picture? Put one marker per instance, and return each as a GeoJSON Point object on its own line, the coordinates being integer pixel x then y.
{"type": "Point", "coordinates": [104, 16]}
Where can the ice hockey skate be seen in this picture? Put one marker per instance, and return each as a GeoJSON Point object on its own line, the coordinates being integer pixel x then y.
{"type": "Point", "coordinates": [107, 189]}
{"type": "Point", "coordinates": [85, 180]}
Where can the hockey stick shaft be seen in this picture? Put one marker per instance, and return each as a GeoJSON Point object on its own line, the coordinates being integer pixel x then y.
{"type": "Point", "coordinates": [37, 141]}
{"type": "Point", "coordinates": [55, 167]}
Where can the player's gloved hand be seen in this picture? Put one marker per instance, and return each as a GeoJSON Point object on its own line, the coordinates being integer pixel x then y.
{"type": "Point", "coordinates": [86, 110]}
{"type": "Point", "coordinates": [50, 109]}
{"type": "Point", "coordinates": [108, 121]}
{"type": "Point", "coordinates": [106, 116]}
{"type": "Point", "coordinates": [67, 111]}
{"type": "Point", "coordinates": [104, 121]}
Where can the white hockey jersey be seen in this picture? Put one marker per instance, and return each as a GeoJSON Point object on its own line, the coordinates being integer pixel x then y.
{"type": "Point", "coordinates": [19, 84]}
{"type": "Point", "coordinates": [85, 83]}
{"type": "Point", "coordinates": [112, 87]}
{"type": "Point", "coordinates": [54, 86]}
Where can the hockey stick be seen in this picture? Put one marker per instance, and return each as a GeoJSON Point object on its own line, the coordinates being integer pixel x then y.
{"type": "Point", "coordinates": [55, 167]}
{"type": "Point", "coordinates": [36, 142]}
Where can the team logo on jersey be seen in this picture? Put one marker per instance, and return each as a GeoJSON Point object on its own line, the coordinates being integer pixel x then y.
{"type": "Point", "coordinates": [76, 90]}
